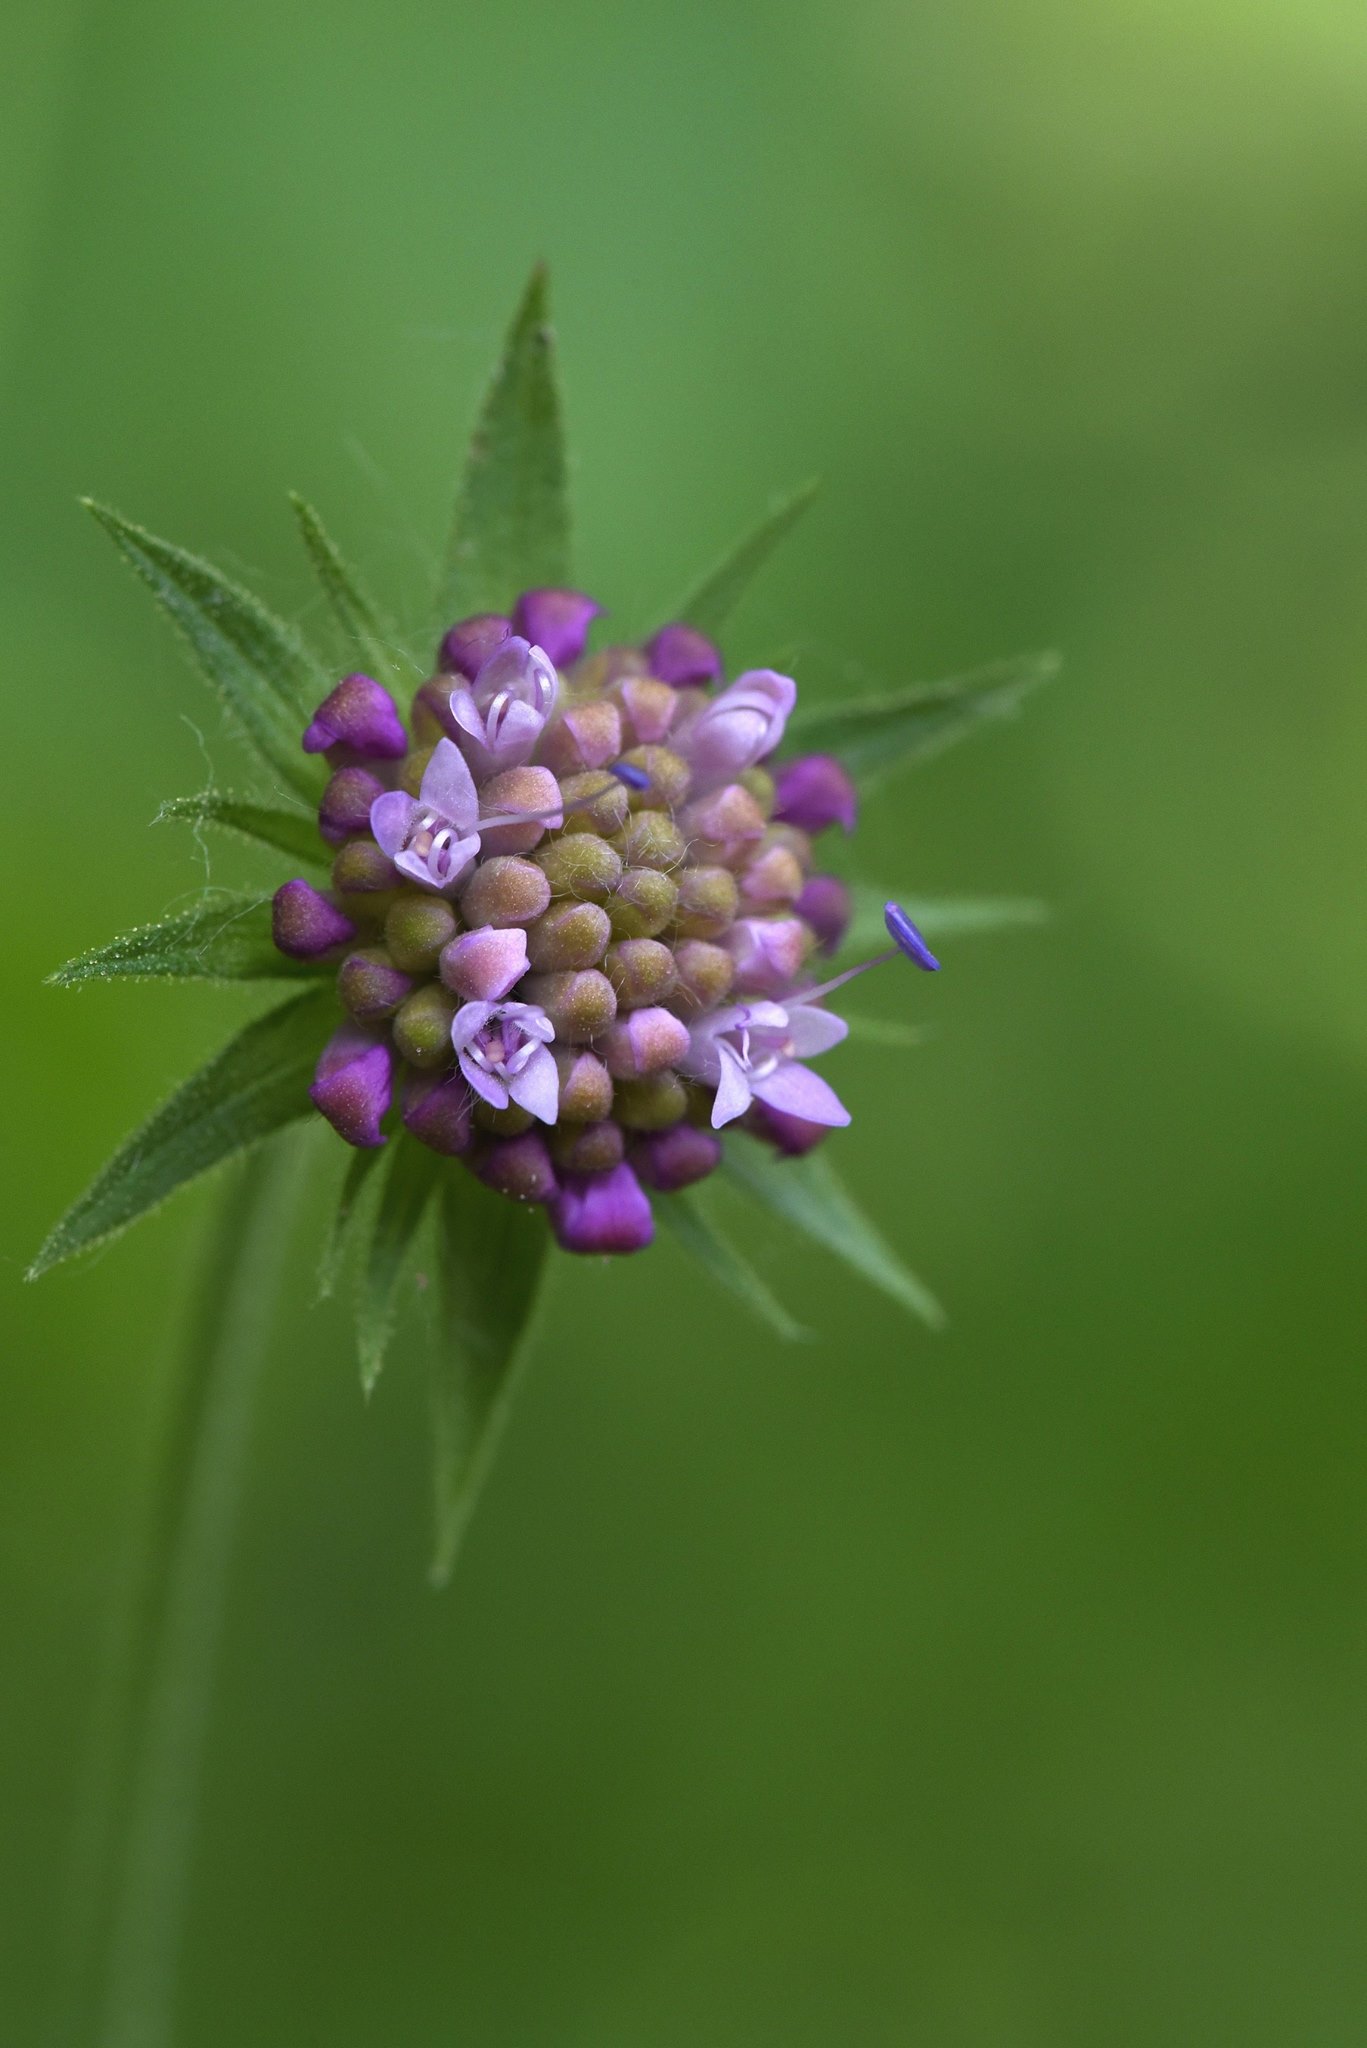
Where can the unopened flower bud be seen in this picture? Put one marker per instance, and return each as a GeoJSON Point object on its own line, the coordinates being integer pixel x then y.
{"type": "Point", "coordinates": [352, 1085]}
{"type": "Point", "coordinates": [793, 1135]}
{"type": "Point", "coordinates": [771, 877]}
{"type": "Point", "coordinates": [415, 766]}
{"type": "Point", "coordinates": [580, 1005]}
{"type": "Point", "coordinates": [508, 1122]}
{"type": "Point", "coordinates": [430, 715]}
{"type": "Point", "coordinates": [740, 727]}
{"type": "Point", "coordinates": [644, 1042]}
{"type": "Point", "coordinates": [641, 971]}
{"type": "Point", "coordinates": [679, 655]}
{"type": "Point", "coordinates": [676, 1158]}
{"type": "Point", "coordinates": [825, 905]}
{"type": "Point", "coordinates": [651, 1103]}
{"type": "Point", "coordinates": [649, 708]}
{"type": "Point", "coordinates": [587, 1148]}
{"type": "Point", "coordinates": [708, 899]}
{"type": "Point", "coordinates": [642, 903]}
{"type": "Point", "coordinates": [534, 790]}
{"type": "Point", "coordinates": [768, 951]}
{"type": "Point", "coordinates": [585, 1086]}
{"type": "Point", "coordinates": [667, 778]}
{"type": "Point", "coordinates": [581, 865]}
{"type": "Point", "coordinates": [436, 1109]}
{"type": "Point", "coordinates": [651, 839]}
{"type": "Point", "coordinates": [704, 975]}
{"type": "Point", "coordinates": [593, 802]}
{"type": "Point", "coordinates": [504, 891]}
{"type": "Point", "coordinates": [467, 645]}
{"type": "Point", "coordinates": [360, 716]}
{"type": "Point", "coordinates": [556, 621]}
{"type": "Point", "coordinates": [603, 1212]}
{"type": "Point", "coordinates": [519, 1168]}
{"type": "Point", "coordinates": [422, 1026]}
{"type": "Point", "coordinates": [725, 825]}
{"type": "Point", "coordinates": [482, 966]}
{"type": "Point", "coordinates": [586, 736]}
{"type": "Point", "coordinates": [416, 928]}
{"type": "Point", "coordinates": [305, 925]}
{"type": "Point", "coordinates": [759, 783]}
{"type": "Point", "coordinates": [569, 935]}
{"type": "Point", "coordinates": [371, 986]}
{"type": "Point", "coordinates": [815, 791]}
{"type": "Point", "coordinates": [360, 868]}
{"type": "Point", "coordinates": [345, 808]}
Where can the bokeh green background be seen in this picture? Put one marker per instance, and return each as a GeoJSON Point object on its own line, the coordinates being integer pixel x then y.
{"type": "Point", "coordinates": [1004, 1690]}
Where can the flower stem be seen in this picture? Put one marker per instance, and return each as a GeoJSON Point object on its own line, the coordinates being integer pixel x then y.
{"type": "Point", "coordinates": [176, 1625]}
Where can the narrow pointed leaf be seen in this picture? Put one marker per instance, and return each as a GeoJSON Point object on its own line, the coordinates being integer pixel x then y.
{"type": "Point", "coordinates": [255, 1085]}
{"type": "Point", "coordinates": [710, 606]}
{"type": "Point", "coordinates": [291, 832]}
{"type": "Point", "coordinates": [808, 1194]}
{"type": "Point", "coordinates": [225, 939]}
{"type": "Point", "coordinates": [365, 636]}
{"type": "Point", "coordinates": [356, 1182]}
{"type": "Point", "coordinates": [259, 667]}
{"type": "Point", "coordinates": [686, 1218]}
{"type": "Point", "coordinates": [491, 1258]}
{"type": "Point", "coordinates": [511, 527]}
{"type": "Point", "coordinates": [878, 735]}
{"type": "Point", "coordinates": [943, 917]}
{"type": "Point", "coordinates": [408, 1186]}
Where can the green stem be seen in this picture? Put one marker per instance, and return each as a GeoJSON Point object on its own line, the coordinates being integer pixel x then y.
{"type": "Point", "coordinates": [173, 1641]}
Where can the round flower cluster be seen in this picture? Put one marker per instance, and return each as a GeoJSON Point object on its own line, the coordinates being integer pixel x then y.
{"type": "Point", "coordinates": [573, 912]}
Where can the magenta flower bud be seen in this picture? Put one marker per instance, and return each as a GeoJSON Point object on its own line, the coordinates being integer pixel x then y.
{"type": "Point", "coordinates": [468, 644]}
{"type": "Point", "coordinates": [740, 727]}
{"type": "Point", "coordinates": [680, 656]}
{"type": "Point", "coordinates": [768, 951]}
{"type": "Point", "coordinates": [673, 1159]}
{"type": "Point", "coordinates": [644, 1042]}
{"type": "Point", "coordinates": [482, 966]}
{"type": "Point", "coordinates": [825, 905]}
{"type": "Point", "coordinates": [815, 791]}
{"type": "Point", "coordinates": [791, 1135]}
{"type": "Point", "coordinates": [603, 1212]}
{"type": "Point", "coordinates": [305, 925]}
{"type": "Point", "coordinates": [436, 1109]}
{"type": "Point", "coordinates": [345, 809]}
{"type": "Point", "coordinates": [519, 1168]}
{"type": "Point", "coordinates": [352, 1085]}
{"type": "Point", "coordinates": [362, 717]}
{"type": "Point", "coordinates": [557, 621]}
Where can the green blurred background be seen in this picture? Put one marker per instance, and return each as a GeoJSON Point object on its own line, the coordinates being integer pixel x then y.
{"type": "Point", "coordinates": [1002, 1690]}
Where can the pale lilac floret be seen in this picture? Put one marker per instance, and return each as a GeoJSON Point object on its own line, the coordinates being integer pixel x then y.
{"type": "Point", "coordinates": [740, 727]}
{"type": "Point", "coordinates": [503, 1050]}
{"type": "Point", "coordinates": [754, 1052]}
{"type": "Point", "coordinates": [432, 837]}
{"type": "Point", "coordinates": [501, 715]}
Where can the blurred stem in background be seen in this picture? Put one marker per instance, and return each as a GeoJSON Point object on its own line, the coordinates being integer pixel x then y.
{"type": "Point", "coordinates": [136, 1829]}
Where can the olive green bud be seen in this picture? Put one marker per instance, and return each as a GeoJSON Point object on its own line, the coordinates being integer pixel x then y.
{"type": "Point", "coordinates": [509, 1122]}
{"type": "Point", "coordinates": [585, 1085]}
{"type": "Point", "coordinates": [669, 778]}
{"type": "Point", "coordinates": [422, 1026]}
{"type": "Point", "coordinates": [370, 985]}
{"type": "Point", "coordinates": [703, 975]}
{"type": "Point", "coordinates": [708, 898]}
{"type": "Point", "coordinates": [505, 891]}
{"type": "Point", "coordinates": [582, 865]}
{"type": "Point", "coordinates": [587, 1148]}
{"type": "Point", "coordinates": [651, 839]}
{"type": "Point", "coordinates": [798, 842]}
{"type": "Point", "coordinates": [569, 935]}
{"type": "Point", "coordinates": [641, 971]}
{"type": "Point", "coordinates": [414, 768]}
{"type": "Point", "coordinates": [359, 868]}
{"type": "Point", "coordinates": [642, 903]}
{"type": "Point", "coordinates": [517, 1167]}
{"type": "Point", "coordinates": [760, 784]}
{"type": "Point", "coordinates": [579, 1004]}
{"type": "Point", "coordinates": [652, 1102]}
{"type": "Point", "coordinates": [605, 813]}
{"type": "Point", "coordinates": [416, 929]}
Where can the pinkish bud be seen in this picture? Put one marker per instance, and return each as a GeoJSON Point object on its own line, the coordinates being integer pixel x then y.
{"type": "Point", "coordinates": [768, 951]}
{"type": "Point", "coordinates": [740, 727]}
{"type": "Point", "coordinates": [588, 736]}
{"type": "Point", "coordinates": [304, 925]}
{"type": "Point", "coordinates": [533, 790]}
{"type": "Point", "coordinates": [482, 966]}
{"type": "Point", "coordinates": [352, 1085]}
{"type": "Point", "coordinates": [643, 1042]}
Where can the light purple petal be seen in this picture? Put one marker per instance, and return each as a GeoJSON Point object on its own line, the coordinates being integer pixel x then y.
{"type": "Point", "coordinates": [530, 1018]}
{"type": "Point", "coordinates": [483, 965]}
{"type": "Point", "coordinates": [733, 1089]}
{"type": "Point", "coordinates": [469, 1020]}
{"type": "Point", "coordinates": [813, 1030]}
{"type": "Point", "coordinates": [537, 1087]}
{"type": "Point", "coordinates": [448, 787]}
{"type": "Point", "coordinates": [494, 1091]}
{"type": "Point", "coordinates": [800, 1092]}
{"type": "Point", "coordinates": [391, 820]}
{"type": "Point", "coordinates": [415, 867]}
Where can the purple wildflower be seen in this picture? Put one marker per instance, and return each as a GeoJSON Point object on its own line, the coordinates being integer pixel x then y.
{"type": "Point", "coordinates": [754, 1051]}
{"type": "Point", "coordinates": [740, 727]}
{"type": "Point", "coordinates": [432, 838]}
{"type": "Point", "coordinates": [503, 1051]}
{"type": "Point", "coordinates": [502, 714]}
